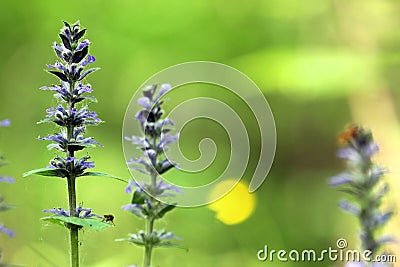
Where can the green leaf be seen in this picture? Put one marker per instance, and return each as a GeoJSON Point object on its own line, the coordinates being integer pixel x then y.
{"type": "Point", "coordinates": [67, 25]}
{"type": "Point", "coordinates": [82, 144]}
{"type": "Point", "coordinates": [79, 146]}
{"type": "Point", "coordinates": [79, 35]}
{"type": "Point", "coordinates": [139, 197]}
{"type": "Point", "coordinates": [104, 175]}
{"type": "Point", "coordinates": [170, 244]}
{"type": "Point", "coordinates": [65, 41]}
{"type": "Point", "coordinates": [351, 192]}
{"type": "Point", "coordinates": [59, 75]}
{"type": "Point", "coordinates": [47, 172]}
{"type": "Point", "coordinates": [79, 55]}
{"type": "Point", "coordinates": [131, 240]}
{"type": "Point", "coordinates": [138, 212]}
{"type": "Point", "coordinates": [87, 72]}
{"type": "Point", "coordinates": [90, 223]}
{"type": "Point", "coordinates": [91, 98]}
{"type": "Point", "coordinates": [164, 210]}
{"type": "Point", "coordinates": [45, 120]}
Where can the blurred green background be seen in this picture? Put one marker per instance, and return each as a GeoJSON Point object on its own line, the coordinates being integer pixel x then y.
{"type": "Point", "coordinates": [320, 65]}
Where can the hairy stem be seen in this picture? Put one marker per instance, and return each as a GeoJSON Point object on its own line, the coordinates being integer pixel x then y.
{"type": "Point", "coordinates": [73, 229]}
{"type": "Point", "coordinates": [149, 247]}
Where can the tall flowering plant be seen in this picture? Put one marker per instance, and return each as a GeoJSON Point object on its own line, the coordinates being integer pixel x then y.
{"type": "Point", "coordinates": [147, 198]}
{"type": "Point", "coordinates": [363, 181]}
{"type": "Point", "coordinates": [5, 179]}
{"type": "Point", "coordinates": [72, 117]}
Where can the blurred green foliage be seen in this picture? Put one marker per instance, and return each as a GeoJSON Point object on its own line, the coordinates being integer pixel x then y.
{"type": "Point", "coordinates": [306, 56]}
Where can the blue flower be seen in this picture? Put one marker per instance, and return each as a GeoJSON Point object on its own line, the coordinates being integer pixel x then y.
{"type": "Point", "coordinates": [58, 211]}
{"type": "Point", "coordinates": [5, 179]}
{"type": "Point", "coordinates": [59, 66]}
{"type": "Point", "coordinates": [131, 184]}
{"type": "Point", "coordinates": [71, 166]}
{"type": "Point", "coordinates": [71, 117]}
{"type": "Point", "coordinates": [6, 231]}
{"type": "Point", "coordinates": [89, 59]}
{"type": "Point", "coordinates": [167, 139]}
{"type": "Point", "coordinates": [76, 142]}
{"type": "Point", "coordinates": [341, 179]}
{"type": "Point", "coordinates": [5, 123]}
{"type": "Point", "coordinates": [161, 189]}
{"type": "Point", "coordinates": [83, 44]}
{"type": "Point", "coordinates": [81, 212]}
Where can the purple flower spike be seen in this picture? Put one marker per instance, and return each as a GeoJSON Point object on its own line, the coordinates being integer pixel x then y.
{"type": "Point", "coordinates": [146, 198]}
{"type": "Point", "coordinates": [70, 117]}
{"type": "Point", "coordinates": [363, 180]}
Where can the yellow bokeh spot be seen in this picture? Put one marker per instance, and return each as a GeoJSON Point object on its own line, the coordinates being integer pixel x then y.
{"type": "Point", "coordinates": [236, 206]}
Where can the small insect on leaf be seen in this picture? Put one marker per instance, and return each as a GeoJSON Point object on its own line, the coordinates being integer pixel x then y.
{"type": "Point", "coordinates": [108, 218]}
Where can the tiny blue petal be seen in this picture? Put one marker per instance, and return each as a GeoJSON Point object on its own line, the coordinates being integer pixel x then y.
{"type": "Point", "coordinates": [128, 188]}
{"type": "Point", "coordinates": [89, 59]}
{"type": "Point", "coordinates": [384, 218]}
{"type": "Point", "coordinates": [164, 88]}
{"type": "Point", "coordinates": [340, 179]}
{"type": "Point", "coordinates": [349, 154]}
{"type": "Point", "coordinates": [5, 123]}
{"type": "Point", "coordinates": [349, 207]}
{"type": "Point", "coordinates": [83, 44]}
{"type": "Point", "coordinates": [145, 102]}
{"type": "Point", "coordinates": [7, 231]}
{"type": "Point", "coordinates": [370, 149]}
{"type": "Point", "coordinates": [6, 179]}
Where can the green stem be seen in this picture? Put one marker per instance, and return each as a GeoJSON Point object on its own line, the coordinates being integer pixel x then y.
{"type": "Point", "coordinates": [73, 229]}
{"type": "Point", "coordinates": [366, 216]}
{"type": "Point", "coordinates": [150, 219]}
{"type": "Point", "coordinates": [149, 247]}
{"type": "Point", "coordinates": [150, 226]}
